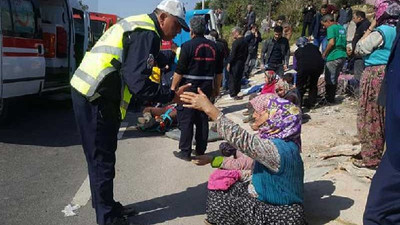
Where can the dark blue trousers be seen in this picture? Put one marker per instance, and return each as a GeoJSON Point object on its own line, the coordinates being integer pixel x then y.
{"type": "Point", "coordinates": [187, 118]}
{"type": "Point", "coordinates": [383, 205]}
{"type": "Point", "coordinates": [98, 124]}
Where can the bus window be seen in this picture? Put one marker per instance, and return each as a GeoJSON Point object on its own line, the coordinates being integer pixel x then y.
{"type": "Point", "coordinates": [6, 24]}
{"type": "Point", "coordinates": [23, 18]}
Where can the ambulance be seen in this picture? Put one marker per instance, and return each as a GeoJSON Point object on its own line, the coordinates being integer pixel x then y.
{"type": "Point", "coordinates": [41, 44]}
{"type": "Point", "coordinates": [100, 23]}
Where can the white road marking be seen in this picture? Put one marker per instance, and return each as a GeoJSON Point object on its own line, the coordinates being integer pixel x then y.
{"type": "Point", "coordinates": [83, 195]}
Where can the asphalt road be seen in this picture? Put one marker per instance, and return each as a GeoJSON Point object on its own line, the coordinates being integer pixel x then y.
{"type": "Point", "coordinates": [41, 161]}
{"type": "Point", "coordinates": [43, 167]}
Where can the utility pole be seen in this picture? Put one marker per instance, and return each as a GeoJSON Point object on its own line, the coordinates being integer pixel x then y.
{"type": "Point", "coordinates": [202, 4]}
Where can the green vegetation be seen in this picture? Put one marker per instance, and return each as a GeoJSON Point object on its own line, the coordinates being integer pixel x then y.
{"type": "Point", "coordinates": [206, 4]}
{"type": "Point", "coordinates": [235, 11]}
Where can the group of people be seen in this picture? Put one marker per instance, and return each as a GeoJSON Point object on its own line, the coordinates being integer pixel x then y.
{"type": "Point", "coordinates": [365, 45]}
{"type": "Point", "coordinates": [259, 179]}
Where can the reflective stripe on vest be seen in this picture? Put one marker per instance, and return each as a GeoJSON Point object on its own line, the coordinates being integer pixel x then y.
{"type": "Point", "coordinates": [126, 98]}
{"type": "Point", "coordinates": [97, 63]}
{"type": "Point", "coordinates": [177, 54]}
{"type": "Point", "coordinates": [195, 77]}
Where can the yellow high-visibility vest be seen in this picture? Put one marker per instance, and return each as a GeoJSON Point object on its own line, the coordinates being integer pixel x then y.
{"type": "Point", "coordinates": [97, 63]}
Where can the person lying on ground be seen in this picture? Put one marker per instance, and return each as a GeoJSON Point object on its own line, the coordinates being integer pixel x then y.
{"type": "Point", "coordinates": [158, 118]}
{"type": "Point", "coordinates": [275, 193]}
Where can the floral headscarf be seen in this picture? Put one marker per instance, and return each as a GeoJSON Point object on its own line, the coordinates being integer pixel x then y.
{"type": "Point", "coordinates": [284, 118]}
{"type": "Point", "coordinates": [387, 11]}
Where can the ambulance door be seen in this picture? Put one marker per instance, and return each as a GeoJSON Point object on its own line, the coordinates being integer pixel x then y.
{"type": "Point", "coordinates": [56, 24]}
{"type": "Point", "coordinates": [23, 63]}
{"type": "Point", "coordinates": [81, 35]}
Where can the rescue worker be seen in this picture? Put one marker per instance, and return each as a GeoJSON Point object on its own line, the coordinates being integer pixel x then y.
{"type": "Point", "coordinates": [201, 64]}
{"type": "Point", "coordinates": [117, 67]}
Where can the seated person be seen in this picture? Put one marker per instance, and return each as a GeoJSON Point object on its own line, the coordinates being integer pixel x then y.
{"type": "Point", "coordinates": [275, 193]}
{"type": "Point", "coordinates": [289, 92]}
{"type": "Point", "coordinates": [271, 79]}
{"type": "Point", "coordinates": [283, 89]}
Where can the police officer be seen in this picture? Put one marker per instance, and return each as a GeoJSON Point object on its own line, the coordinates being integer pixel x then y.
{"type": "Point", "coordinates": [201, 64]}
{"type": "Point", "coordinates": [118, 66]}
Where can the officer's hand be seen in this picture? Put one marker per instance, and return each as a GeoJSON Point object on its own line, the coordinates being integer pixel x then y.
{"type": "Point", "coordinates": [179, 92]}
{"type": "Point", "coordinates": [228, 67]}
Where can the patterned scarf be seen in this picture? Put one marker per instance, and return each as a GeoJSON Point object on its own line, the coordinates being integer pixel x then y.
{"type": "Point", "coordinates": [284, 120]}
{"type": "Point", "coordinates": [387, 12]}
{"type": "Point", "coordinates": [283, 85]}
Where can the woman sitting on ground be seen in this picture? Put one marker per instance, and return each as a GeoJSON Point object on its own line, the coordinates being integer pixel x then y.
{"type": "Point", "coordinates": [275, 193]}
{"type": "Point", "coordinates": [283, 89]}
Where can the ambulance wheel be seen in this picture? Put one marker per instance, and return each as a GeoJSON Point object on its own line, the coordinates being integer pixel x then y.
{"type": "Point", "coordinates": [3, 110]}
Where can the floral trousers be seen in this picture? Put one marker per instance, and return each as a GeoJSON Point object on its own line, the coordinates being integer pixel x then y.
{"type": "Point", "coordinates": [371, 116]}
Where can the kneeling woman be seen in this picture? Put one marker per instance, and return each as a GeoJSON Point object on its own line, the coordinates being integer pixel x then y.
{"type": "Point", "coordinates": [275, 193]}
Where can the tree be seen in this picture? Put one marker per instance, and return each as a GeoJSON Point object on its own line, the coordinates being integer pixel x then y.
{"type": "Point", "coordinates": [292, 9]}
{"type": "Point", "coordinates": [235, 10]}
{"type": "Point", "coordinates": [206, 4]}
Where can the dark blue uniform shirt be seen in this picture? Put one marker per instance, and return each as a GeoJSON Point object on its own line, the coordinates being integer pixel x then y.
{"type": "Point", "coordinates": [200, 60]}
{"type": "Point", "coordinates": [141, 53]}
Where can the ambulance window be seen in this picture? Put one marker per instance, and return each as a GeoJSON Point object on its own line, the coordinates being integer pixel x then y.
{"type": "Point", "coordinates": [6, 24]}
{"type": "Point", "coordinates": [23, 18]}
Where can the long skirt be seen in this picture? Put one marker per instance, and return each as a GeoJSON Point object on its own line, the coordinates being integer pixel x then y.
{"type": "Point", "coordinates": [236, 207]}
{"type": "Point", "coordinates": [371, 116]}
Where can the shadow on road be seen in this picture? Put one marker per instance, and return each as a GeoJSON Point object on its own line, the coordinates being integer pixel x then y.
{"type": "Point", "coordinates": [320, 205]}
{"type": "Point", "coordinates": [190, 202]}
{"type": "Point", "coordinates": [234, 108]}
{"type": "Point", "coordinates": [45, 121]}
